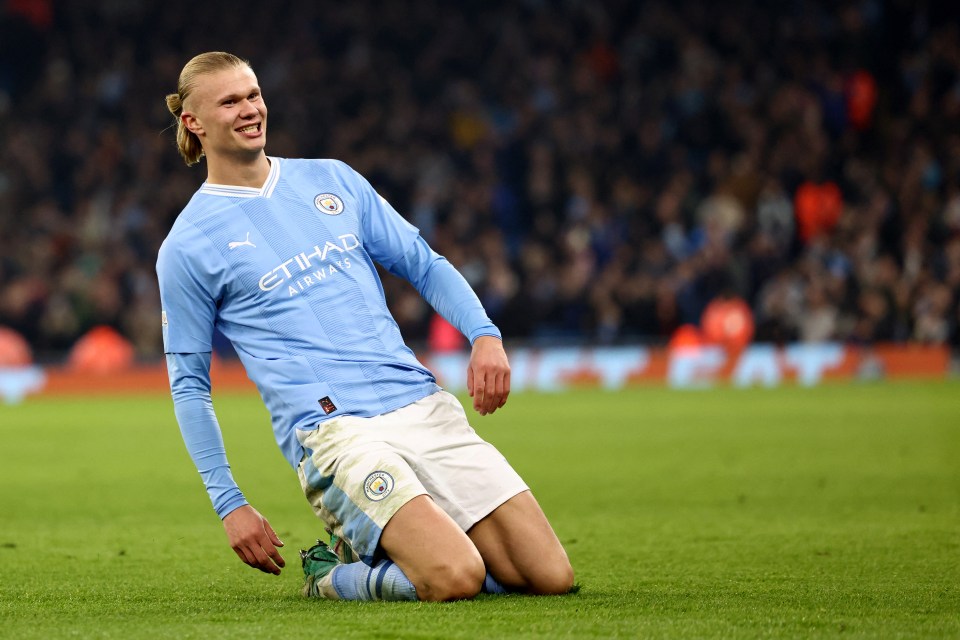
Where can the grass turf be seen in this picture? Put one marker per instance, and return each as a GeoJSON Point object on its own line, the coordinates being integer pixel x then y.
{"type": "Point", "coordinates": [786, 513]}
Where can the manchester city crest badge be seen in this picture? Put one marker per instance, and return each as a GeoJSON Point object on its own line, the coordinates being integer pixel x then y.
{"type": "Point", "coordinates": [329, 204]}
{"type": "Point", "coordinates": [378, 485]}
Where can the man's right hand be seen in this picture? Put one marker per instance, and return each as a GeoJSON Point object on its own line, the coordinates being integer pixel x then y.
{"type": "Point", "coordinates": [253, 539]}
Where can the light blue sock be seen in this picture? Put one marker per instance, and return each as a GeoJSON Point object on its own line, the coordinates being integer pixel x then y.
{"type": "Point", "coordinates": [490, 585]}
{"type": "Point", "coordinates": [357, 581]}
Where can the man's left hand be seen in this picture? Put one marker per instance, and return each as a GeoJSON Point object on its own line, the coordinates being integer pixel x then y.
{"type": "Point", "coordinates": [488, 375]}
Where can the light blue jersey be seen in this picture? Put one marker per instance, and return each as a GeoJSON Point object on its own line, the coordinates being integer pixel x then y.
{"type": "Point", "coordinates": [286, 272]}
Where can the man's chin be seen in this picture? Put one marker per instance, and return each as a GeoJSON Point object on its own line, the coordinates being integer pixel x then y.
{"type": "Point", "coordinates": [249, 152]}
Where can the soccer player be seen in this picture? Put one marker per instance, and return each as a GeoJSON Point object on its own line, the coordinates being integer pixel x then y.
{"type": "Point", "coordinates": [278, 254]}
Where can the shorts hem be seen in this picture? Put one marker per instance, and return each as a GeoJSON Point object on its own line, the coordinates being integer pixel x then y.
{"type": "Point", "coordinates": [373, 542]}
{"type": "Point", "coordinates": [471, 520]}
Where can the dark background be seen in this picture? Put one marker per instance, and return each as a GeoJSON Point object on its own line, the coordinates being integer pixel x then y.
{"type": "Point", "coordinates": [598, 171]}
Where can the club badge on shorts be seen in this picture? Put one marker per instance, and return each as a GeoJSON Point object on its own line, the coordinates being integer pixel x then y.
{"type": "Point", "coordinates": [329, 204]}
{"type": "Point", "coordinates": [378, 485]}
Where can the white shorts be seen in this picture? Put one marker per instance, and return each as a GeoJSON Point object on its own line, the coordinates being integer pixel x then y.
{"type": "Point", "coordinates": [357, 472]}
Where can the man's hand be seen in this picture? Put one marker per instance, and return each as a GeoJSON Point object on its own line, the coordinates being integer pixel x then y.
{"type": "Point", "coordinates": [488, 375]}
{"type": "Point", "coordinates": [253, 539]}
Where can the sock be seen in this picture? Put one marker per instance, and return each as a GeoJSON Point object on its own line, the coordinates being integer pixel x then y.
{"type": "Point", "coordinates": [490, 585]}
{"type": "Point", "coordinates": [357, 581]}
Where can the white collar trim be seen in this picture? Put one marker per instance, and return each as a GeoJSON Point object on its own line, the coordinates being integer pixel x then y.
{"type": "Point", "coordinates": [231, 191]}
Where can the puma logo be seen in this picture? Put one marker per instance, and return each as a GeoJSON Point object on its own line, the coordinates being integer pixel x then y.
{"type": "Point", "coordinates": [242, 243]}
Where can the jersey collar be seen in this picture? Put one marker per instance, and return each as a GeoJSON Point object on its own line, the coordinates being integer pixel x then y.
{"type": "Point", "coordinates": [247, 192]}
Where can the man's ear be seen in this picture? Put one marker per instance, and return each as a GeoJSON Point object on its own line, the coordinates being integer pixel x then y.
{"type": "Point", "coordinates": [191, 123]}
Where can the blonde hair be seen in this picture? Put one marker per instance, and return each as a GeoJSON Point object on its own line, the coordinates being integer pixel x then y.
{"type": "Point", "coordinates": [187, 142]}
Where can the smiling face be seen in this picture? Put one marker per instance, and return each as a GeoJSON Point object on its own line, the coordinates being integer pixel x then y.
{"type": "Point", "coordinates": [227, 113]}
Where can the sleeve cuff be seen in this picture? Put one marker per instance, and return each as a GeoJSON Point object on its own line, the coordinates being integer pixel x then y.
{"type": "Point", "coordinates": [231, 505]}
{"type": "Point", "coordinates": [485, 331]}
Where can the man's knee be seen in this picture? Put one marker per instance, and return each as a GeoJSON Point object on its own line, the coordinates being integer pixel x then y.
{"type": "Point", "coordinates": [442, 564]}
{"type": "Point", "coordinates": [459, 579]}
{"type": "Point", "coordinates": [552, 580]}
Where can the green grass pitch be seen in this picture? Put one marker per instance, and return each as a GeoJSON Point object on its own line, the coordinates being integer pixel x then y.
{"type": "Point", "coordinates": [788, 513]}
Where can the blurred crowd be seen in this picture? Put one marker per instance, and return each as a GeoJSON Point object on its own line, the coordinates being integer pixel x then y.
{"type": "Point", "coordinates": [599, 171]}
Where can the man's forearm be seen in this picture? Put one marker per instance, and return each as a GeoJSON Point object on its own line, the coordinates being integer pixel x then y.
{"type": "Point", "coordinates": [190, 389]}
